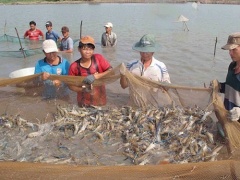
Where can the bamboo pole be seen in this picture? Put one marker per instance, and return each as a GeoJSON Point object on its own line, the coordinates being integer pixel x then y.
{"type": "Point", "coordinates": [81, 30]}
{"type": "Point", "coordinates": [21, 48]}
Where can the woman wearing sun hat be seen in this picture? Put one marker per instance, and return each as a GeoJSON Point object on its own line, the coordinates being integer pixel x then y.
{"type": "Point", "coordinates": [147, 66]}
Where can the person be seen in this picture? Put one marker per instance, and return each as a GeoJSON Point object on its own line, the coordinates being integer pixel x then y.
{"type": "Point", "coordinates": [50, 34]}
{"type": "Point", "coordinates": [231, 87]}
{"type": "Point", "coordinates": [66, 44]}
{"type": "Point", "coordinates": [33, 33]}
{"type": "Point", "coordinates": [91, 66]}
{"type": "Point", "coordinates": [147, 66]}
{"type": "Point", "coordinates": [52, 64]}
{"type": "Point", "coordinates": [109, 38]}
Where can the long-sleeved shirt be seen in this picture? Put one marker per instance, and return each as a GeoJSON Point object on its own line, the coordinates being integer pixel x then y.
{"type": "Point", "coordinates": [109, 39]}
{"type": "Point", "coordinates": [231, 88]}
{"type": "Point", "coordinates": [157, 71]}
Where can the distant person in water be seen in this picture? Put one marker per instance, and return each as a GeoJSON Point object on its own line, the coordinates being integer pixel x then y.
{"type": "Point", "coordinates": [33, 33]}
{"type": "Point", "coordinates": [50, 34]}
{"type": "Point", "coordinates": [66, 44]}
{"type": "Point", "coordinates": [109, 38]}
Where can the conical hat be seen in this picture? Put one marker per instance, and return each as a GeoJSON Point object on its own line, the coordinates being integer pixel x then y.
{"type": "Point", "coordinates": [181, 18]}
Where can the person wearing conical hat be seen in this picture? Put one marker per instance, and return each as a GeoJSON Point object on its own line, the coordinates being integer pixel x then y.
{"type": "Point", "coordinates": [147, 66]}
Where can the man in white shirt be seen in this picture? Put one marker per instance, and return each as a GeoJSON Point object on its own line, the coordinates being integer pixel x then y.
{"type": "Point", "coordinates": [147, 66]}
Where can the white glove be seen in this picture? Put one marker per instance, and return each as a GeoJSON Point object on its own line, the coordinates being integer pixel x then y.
{"type": "Point", "coordinates": [122, 69]}
{"type": "Point", "coordinates": [234, 114]}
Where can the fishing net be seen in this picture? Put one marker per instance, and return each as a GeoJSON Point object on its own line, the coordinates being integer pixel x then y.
{"type": "Point", "coordinates": [10, 47]}
{"type": "Point", "coordinates": [170, 129]}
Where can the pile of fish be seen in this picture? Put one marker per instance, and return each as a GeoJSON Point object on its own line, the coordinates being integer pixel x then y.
{"type": "Point", "coordinates": [111, 136]}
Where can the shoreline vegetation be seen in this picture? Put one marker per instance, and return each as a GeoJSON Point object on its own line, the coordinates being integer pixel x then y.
{"type": "Point", "coordinates": [26, 2]}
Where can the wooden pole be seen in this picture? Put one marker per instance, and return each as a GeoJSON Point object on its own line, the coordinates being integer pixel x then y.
{"type": "Point", "coordinates": [215, 47]}
{"type": "Point", "coordinates": [21, 48]}
{"type": "Point", "coordinates": [81, 30]}
{"type": "Point", "coordinates": [186, 26]}
{"type": "Point", "coordinates": [5, 27]}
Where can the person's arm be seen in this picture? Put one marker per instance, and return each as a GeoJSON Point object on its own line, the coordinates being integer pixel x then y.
{"type": "Point", "coordinates": [103, 40]}
{"type": "Point", "coordinates": [99, 75]}
{"type": "Point", "coordinates": [68, 51]}
{"type": "Point", "coordinates": [41, 34]}
{"type": "Point", "coordinates": [221, 87]}
{"type": "Point", "coordinates": [123, 79]}
{"type": "Point", "coordinates": [25, 34]}
{"type": "Point", "coordinates": [165, 75]}
{"type": "Point", "coordinates": [114, 40]}
{"type": "Point", "coordinates": [123, 82]}
{"type": "Point", "coordinates": [76, 88]}
{"type": "Point", "coordinates": [70, 46]}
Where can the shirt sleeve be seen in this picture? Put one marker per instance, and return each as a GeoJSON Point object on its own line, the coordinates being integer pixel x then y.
{"type": "Point", "coordinates": [114, 40]}
{"type": "Point", "coordinates": [67, 65]}
{"type": "Point", "coordinates": [26, 34]}
{"type": "Point", "coordinates": [40, 33]}
{"type": "Point", "coordinates": [70, 43]}
{"type": "Point", "coordinates": [166, 77]}
{"type": "Point", "coordinates": [105, 65]}
{"type": "Point", "coordinates": [37, 68]}
{"type": "Point", "coordinates": [72, 68]}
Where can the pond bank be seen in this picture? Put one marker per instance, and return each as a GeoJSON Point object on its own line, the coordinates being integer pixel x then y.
{"type": "Point", "coordinates": [122, 1]}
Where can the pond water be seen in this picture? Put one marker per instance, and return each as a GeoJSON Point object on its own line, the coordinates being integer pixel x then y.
{"type": "Point", "coordinates": [189, 55]}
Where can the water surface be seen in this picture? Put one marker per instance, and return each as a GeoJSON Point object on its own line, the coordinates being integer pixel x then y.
{"type": "Point", "coordinates": [187, 54]}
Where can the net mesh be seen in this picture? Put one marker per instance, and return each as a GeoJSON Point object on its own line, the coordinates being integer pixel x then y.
{"type": "Point", "coordinates": [29, 48]}
{"type": "Point", "coordinates": [169, 126]}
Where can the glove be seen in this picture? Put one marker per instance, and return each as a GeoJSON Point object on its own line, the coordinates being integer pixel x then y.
{"type": "Point", "coordinates": [122, 69]}
{"type": "Point", "coordinates": [89, 79]}
{"type": "Point", "coordinates": [234, 114]}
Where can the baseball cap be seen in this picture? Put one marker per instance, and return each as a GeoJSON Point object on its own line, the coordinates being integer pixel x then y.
{"type": "Point", "coordinates": [49, 46]}
{"type": "Point", "coordinates": [48, 23]}
{"type": "Point", "coordinates": [86, 40]}
{"type": "Point", "coordinates": [65, 29]}
{"type": "Point", "coordinates": [108, 25]}
{"type": "Point", "coordinates": [233, 41]}
{"type": "Point", "coordinates": [146, 44]}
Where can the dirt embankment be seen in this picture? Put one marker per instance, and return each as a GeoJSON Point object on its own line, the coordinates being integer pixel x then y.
{"type": "Point", "coordinates": [124, 1]}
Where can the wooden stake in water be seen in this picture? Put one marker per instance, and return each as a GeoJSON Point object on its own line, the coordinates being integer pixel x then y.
{"type": "Point", "coordinates": [81, 30]}
{"type": "Point", "coordinates": [5, 26]}
{"type": "Point", "coordinates": [21, 48]}
{"type": "Point", "coordinates": [185, 26]}
{"type": "Point", "coordinates": [215, 47]}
